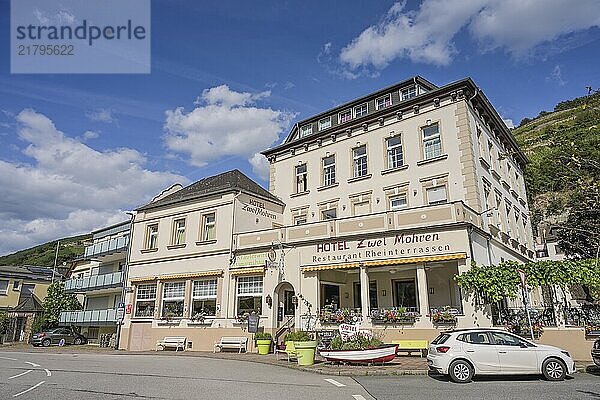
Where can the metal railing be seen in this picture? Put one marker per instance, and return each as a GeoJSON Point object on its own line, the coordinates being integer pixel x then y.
{"type": "Point", "coordinates": [585, 315]}
{"type": "Point", "coordinates": [107, 246]}
{"type": "Point", "coordinates": [515, 316]}
{"type": "Point", "coordinates": [91, 317]}
{"type": "Point", "coordinates": [91, 282]}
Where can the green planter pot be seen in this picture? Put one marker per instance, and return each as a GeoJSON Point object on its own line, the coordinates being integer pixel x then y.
{"type": "Point", "coordinates": [305, 351]}
{"type": "Point", "coordinates": [264, 345]}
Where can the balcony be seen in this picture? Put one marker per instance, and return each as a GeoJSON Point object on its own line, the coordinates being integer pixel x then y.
{"type": "Point", "coordinates": [88, 317]}
{"type": "Point", "coordinates": [106, 247]}
{"type": "Point", "coordinates": [94, 282]}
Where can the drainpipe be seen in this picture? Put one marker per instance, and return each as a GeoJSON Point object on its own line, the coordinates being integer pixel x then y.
{"type": "Point", "coordinates": [231, 251]}
{"type": "Point", "coordinates": [125, 277]}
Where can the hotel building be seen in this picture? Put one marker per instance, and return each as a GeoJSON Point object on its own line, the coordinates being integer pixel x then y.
{"type": "Point", "coordinates": [373, 206]}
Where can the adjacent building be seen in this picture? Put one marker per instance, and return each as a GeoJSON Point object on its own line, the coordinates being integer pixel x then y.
{"type": "Point", "coordinates": [374, 206]}
{"type": "Point", "coordinates": [22, 291]}
{"type": "Point", "coordinates": [98, 279]}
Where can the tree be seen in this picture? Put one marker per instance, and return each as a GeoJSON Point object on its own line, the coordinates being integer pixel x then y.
{"type": "Point", "coordinates": [4, 323]}
{"type": "Point", "coordinates": [56, 301]}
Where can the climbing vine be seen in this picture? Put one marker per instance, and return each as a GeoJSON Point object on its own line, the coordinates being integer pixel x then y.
{"type": "Point", "coordinates": [498, 281]}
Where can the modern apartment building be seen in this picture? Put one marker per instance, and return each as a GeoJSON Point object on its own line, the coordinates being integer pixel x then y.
{"type": "Point", "coordinates": [374, 206]}
{"type": "Point", "coordinates": [98, 279]}
{"type": "Point", "coordinates": [22, 291]}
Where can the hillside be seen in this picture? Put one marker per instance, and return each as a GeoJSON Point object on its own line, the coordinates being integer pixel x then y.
{"type": "Point", "coordinates": [43, 255]}
{"type": "Point", "coordinates": [563, 147]}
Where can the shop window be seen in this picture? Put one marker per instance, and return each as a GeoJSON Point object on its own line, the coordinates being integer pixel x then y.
{"type": "Point", "coordinates": [405, 294]}
{"type": "Point", "coordinates": [249, 294]}
{"type": "Point", "coordinates": [173, 296]}
{"type": "Point", "coordinates": [204, 297]}
{"type": "Point", "coordinates": [145, 300]}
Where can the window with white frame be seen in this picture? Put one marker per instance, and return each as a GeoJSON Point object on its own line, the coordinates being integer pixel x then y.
{"type": "Point", "coordinates": [329, 170]}
{"type": "Point", "coordinates": [209, 231]}
{"type": "Point", "coordinates": [345, 116]}
{"type": "Point", "coordinates": [408, 93]}
{"type": "Point", "coordinates": [359, 161]}
{"type": "Point", "coordinates": [432, 141]}
{"type": "Point", "coordinates": [204, 298]}
{"type": "Point", "coordinates": [152, 236]}
{"type": "Point", "coordinates": [398, 201]}
{"type": "Point", "coordinates": [172, 302]}
{"type": "Point", "coordinates": [178, 231]}
{"type": "Point", "coordinates": [324, 123]}
{"type": "Point", "coordinates": [300, 219]}
{"type": "Point", "coordinates": [437, 195]}
{"type": "Point", "coordinates": [330, 213]}
{"type": "Point", "coordinates": [306, 130]}
{"type": "Point", "coordinates": [3, 287]}
{"type": "Point", "coordinates": [145, 300]}
{"type": "Point", "coordinates": [360, 110]}
{"type": "Point", "coordinates": [249, 294]}
{"type": "Point", "coordinates": [395, 155]}
{"type": "Point", "coordinates": [301, 178]}
{"type": "Point", "coordinates": [383, 102]}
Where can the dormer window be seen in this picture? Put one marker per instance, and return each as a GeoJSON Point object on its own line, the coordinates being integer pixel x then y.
{"type": "Point", "coordinates": [345, 116]}
{"type": "Point", "coordinates": [324, 123]}
{"type": "Point", "coordinates": [383, 102]}
{"type": "Point", "coordinates": [408, 93]}
{"type": "Point", "coordinates": [306, 130]}
{"type": "Point", "coordinates": [360, 110]}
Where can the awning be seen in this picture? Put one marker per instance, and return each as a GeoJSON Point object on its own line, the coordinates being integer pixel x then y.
{"type": "Point", "coordinates": [142, 279]}
{"type": "Point", "coordinates": [191, 275]}
{"type": "Point", "coordinates": [378, 263]}
{"type": "Point", "coordinates": [247, 271]}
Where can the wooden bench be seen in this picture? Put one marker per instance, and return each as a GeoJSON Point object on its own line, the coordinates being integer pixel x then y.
{"type": "Point", "coordinates": [410, 346]}
{"type": "Point", "coordinates": [171, 341]}
{"type": "Point", "coordinates": [240, 343]}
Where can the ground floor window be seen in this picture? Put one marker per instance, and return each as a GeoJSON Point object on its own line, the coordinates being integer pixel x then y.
{"type": "Point", "coordinates": [249, 294]}
{"type": "Point", "coordinates": [145, 300]}
{"type": "Point", "coordinates": [330, 296]}
{"type": "Point", "coordinates": [173, 296]}
{"type": "Point", "coordinates": [204, 298]}
{"type": "Point", "coordinates": [372, 295]}
{"type": "Point", "coordinates": [405, 294]}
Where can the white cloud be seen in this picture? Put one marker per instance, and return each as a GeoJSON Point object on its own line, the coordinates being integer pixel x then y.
{"type": "Point", "coordinates": [68, 187]}
{"type": "Point", "coordinates": [87, 135]}
{"type": "Point", "coordinates": [224, 123]}
{"type": "Point", "coordinates": [260, 166]}
{"type": "Point", "coordinates": [288, 85]}
{"type": "Point", "coordinates": [427, 34]}
{"type": "Point", "coordinates": [101, 115]}
{"type": "Point", "coordinates": [556, 76]}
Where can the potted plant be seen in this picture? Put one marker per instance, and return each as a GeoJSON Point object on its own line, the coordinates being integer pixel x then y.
{"type": "Point", "coordinates": [362, 348]}
{"type": "Point", "coordinates": [263, 342]}
{"type": "Point", "coordinates": [304, 347]}
{"type": "Point", "coordinates": [443, 317]}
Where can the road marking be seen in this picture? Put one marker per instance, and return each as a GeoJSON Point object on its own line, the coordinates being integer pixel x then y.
{"type": "Point", "coordinates": [48, 373]}
{"type": "Point", "coordinates": [21, 374]}
{"type": "Point", "coordinates": [32, 364]}
{"type": "Point", "coordinates": [358, 397]}
{"type": "Point", "coordinates": [30, 389]}
{"type": "Point", "coordinates": [334, 382]}
{"type": "Point", "coordinates": [8, 358]}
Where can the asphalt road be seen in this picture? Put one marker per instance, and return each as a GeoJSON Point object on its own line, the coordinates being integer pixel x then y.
{"type": "Point", "coordinates": [101, 376]}
{"type": "Point", "coordinates": [581, 386]}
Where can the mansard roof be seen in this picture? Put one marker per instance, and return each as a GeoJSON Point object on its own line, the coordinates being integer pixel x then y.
{"type": "Point", "coordinates": [230, 181]}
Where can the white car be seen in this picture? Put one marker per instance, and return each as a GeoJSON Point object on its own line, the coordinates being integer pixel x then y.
{"type": "Point", "coordinates": [463, 353]}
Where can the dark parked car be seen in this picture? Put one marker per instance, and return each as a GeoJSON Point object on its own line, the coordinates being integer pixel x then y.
{"type": "Point", "coordinates": [55, 335]}
{"type": "Point", "coordinates": [596, 352]}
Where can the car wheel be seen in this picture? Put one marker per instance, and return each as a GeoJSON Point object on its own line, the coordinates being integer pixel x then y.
{"type": "Point", "coordinates": [554, 369]}
{"type": "Point", "coordinates": [46, 342]}
{"type": "Point", "coordinates": [460, 371]}
{"type": "Point", "coordinates": [77, 341]}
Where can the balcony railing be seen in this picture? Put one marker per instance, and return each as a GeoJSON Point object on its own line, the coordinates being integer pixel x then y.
{"type": "Point", "coordinates": [88, 317]}
{"type": "Point", "coordinates": [107, 246]}
{"type": "Point", "coordinates": [93, 282]}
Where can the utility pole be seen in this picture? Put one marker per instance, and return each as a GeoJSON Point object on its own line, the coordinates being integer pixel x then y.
{"type": "Point", "coordinates": [55, 260]}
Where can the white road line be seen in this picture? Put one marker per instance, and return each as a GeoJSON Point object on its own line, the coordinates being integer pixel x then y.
{"type": "Point", "coordinates": [8, 358]}
{"type": "Point", "coordinates": [334, 382]}
{"type": "Point", "coordinates": [358, 397]}
{"type": "Point", "coordinates": [21, 374]}
{"type": "Point", "coordinates": [48, 373]}
{"type": "Point", "coordinates": [30, 389]}
{"type": "Point", "coordinates": [32, 364]}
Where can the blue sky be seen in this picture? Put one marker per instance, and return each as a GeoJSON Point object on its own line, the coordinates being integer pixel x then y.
{"type": "Point", "coordinates": [230, 78]}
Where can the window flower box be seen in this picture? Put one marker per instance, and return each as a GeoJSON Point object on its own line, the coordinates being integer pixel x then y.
{"type": "Point", "coordinates": [396, 315]}
{"type": "Point", "coordinates": [340, 316]}
{"type": "Point", "coordinates": [444, 316]}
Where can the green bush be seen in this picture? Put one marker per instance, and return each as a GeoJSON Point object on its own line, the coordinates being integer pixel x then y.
{"type": "Point", "coordinates": [358, 342]}
{"type": "Point", "coordinates": [263, 336]}
{"type": "Point", "coordinates": [298, 336]}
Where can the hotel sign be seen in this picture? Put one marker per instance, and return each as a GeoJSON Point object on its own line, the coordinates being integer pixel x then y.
{"type": "Point", "coordinates": [386, 247]}
{"type": "Point", "coordinates": [251, 260]}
